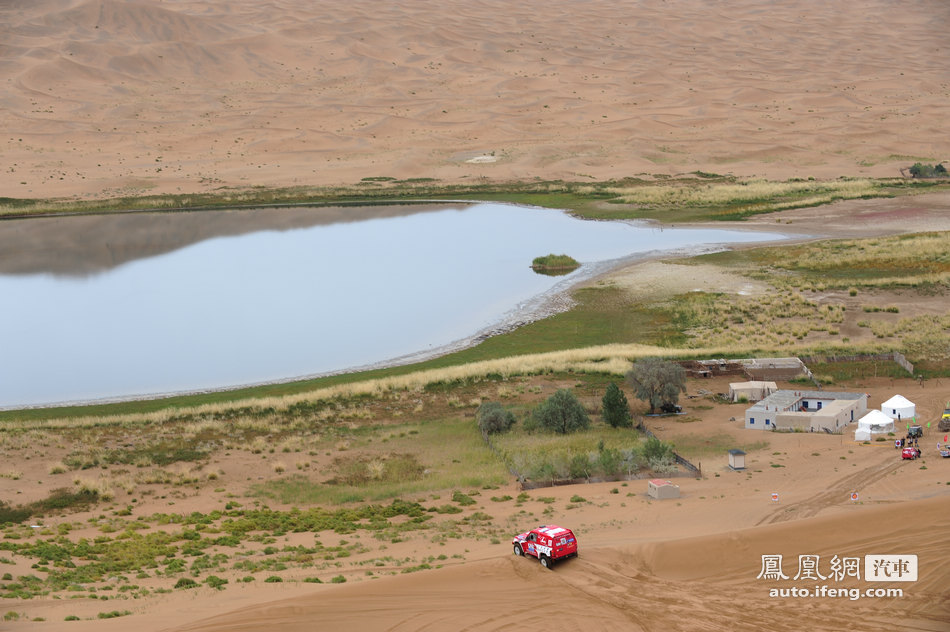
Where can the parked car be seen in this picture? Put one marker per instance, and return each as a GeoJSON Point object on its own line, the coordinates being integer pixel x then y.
{"type": "Point", "coordinates": [910, 453]}
{"type": "Point", "coordinates": [548, 543]}
{"type": "Point", "coordinates": [915, 432]}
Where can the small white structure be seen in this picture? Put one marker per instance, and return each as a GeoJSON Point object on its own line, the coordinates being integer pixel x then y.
{"type": "Point", "coordinates": [660, 489]}
{"type": "Point", "coordinates": [737, 459]}
{"type": "Point", "coordinates": [873, 423]}
{"type": "Point", "coordinates": [752, 391]}
{"type": "Point", "coordinates": [899, 407]}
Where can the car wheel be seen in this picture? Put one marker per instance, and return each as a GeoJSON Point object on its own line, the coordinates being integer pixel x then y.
{"type": "Point", "coordinates": [518, 550]}
{"type": "Point", "coordinates": [546, 562]}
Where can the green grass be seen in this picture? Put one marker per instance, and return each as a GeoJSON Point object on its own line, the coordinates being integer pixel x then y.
{"type": "Point", "coordinates": [451, 450]}
{"type": "Point", "coordinates": [59, 500]}
{"type": "Point", "coordinates": [854, 370]}
{"type": "Point", "coordinates": [694, 446]}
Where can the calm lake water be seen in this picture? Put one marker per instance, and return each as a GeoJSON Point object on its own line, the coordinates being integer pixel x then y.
{"type": "Point", "coordinates": [102, 307]}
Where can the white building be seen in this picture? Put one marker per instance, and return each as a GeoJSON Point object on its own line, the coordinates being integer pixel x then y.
{"type": "Point", "coordinates": [811, 411]}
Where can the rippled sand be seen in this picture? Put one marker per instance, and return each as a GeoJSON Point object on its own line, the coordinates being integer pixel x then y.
{"type": "Point", "coordinates": [107, 97]}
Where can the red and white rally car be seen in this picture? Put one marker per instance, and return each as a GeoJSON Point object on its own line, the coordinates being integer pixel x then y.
{"type": "Point", "coordinates": [548, 543]}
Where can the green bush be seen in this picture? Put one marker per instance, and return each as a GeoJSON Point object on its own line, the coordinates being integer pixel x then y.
{"type": "Point", "coordinates": [462, 498]}
{"type": "Point", "coordinates": [216, 582]}
{"type": "Point", "coordinates": [920, 170]}
{"type": "Point", "coordinates": [112, 614]}
{"type": "Point", "coordinates": [656, 451]}
{"type": "Point", "coordinates": [579, 466]}
{"type": "Point", "coordinates": [561, 413]}
{"type": "Point", "coordinates": [493, 418]}
{"type": "Point", "coordinates": [186, 582]}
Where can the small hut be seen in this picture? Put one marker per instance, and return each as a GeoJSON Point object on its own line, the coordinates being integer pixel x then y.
{"type": "Point", "coordinates": [660, 489]}
{"type": "Point", "coordinates": [737, 459]}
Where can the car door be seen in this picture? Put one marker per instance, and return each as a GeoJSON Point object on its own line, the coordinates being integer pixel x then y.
{"type": "Point", "coordinates": [531, 544]}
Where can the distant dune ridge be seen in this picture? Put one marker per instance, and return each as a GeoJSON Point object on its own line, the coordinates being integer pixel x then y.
{"type": "Point", "coordinates": [106, 97]}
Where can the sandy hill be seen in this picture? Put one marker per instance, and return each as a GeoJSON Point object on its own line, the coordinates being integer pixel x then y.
{"type": "Point", "coordinates": [103, 97]}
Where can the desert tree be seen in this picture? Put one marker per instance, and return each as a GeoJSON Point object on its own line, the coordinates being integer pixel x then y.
{"type": "Point", "coordinates": [657, 382]}
{"type": "Point", "coordinates": [561, 413]}
{"type": "Point", "coordinates": [616, 410]}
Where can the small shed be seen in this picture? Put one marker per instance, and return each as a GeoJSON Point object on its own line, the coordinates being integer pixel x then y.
{"type": "Point", "coordinates": [754, 391]}
{"type": "Point", "coordinates": [899, 407]}
{"type": "Point", "coordinates": [660, 489]}
{"type": "Point", "coordinates": [737, 459]}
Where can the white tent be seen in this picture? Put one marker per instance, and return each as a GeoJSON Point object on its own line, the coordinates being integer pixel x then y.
{"type": "Point", "coordinates": [873, 423]}
{"type": "Point", "coordinates": [899, 407]}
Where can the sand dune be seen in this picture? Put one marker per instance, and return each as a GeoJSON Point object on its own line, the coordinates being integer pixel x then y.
{"type": "Point", "coordinates": [103, 97]}
{"type": "Point", "coordinates": [701, 583]}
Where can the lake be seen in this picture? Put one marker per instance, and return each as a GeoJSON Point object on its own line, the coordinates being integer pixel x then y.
{"type": "Point", "coordinates": [141, 304]}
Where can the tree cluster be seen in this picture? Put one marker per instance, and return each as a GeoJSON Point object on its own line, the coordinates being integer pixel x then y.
{"type": "Point", "coordinates": [920, 170]}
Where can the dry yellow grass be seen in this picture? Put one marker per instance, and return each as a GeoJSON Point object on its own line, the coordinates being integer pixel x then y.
{"type": "Point", "coordinates": [612, 359]}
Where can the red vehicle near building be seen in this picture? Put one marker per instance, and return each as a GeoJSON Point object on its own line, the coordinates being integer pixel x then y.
{"type": "Point", "coordinates": [910, 453]}
{"type": "Point", "coordinates": [548, 543]}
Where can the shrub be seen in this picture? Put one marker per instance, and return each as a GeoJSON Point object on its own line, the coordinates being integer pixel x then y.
{"type": "Point", "coordinates": [579, 466]}
{"type": "Point", "coordinates": [216, 582]}
{"type": "Point", "coordinates": [561, 413]}
{"type": "Point", "coordinates": [656, 451]}
{"type": "Point", "coordinates": [273, 579]}
{"type": "Point", "coordinates": [608, 461]}
{"type": "Point", "coordinates": [186, 582]}
{"type": "Point", "coordinates": [112, 614]}
{"type": "Point", "coordinates": [616, 410]}
{"type": "Point", "coordinates": [493, 418]}
{"type": "Point", "coordinates": [462, 498]}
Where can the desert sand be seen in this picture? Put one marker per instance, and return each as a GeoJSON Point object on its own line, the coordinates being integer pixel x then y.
{"type": "Point", "coordinates": [684, 564]}
{"type": "Point", "coordinates": [103, 98]}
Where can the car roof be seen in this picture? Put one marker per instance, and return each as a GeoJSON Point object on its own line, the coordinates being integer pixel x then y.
{"type": "Point", "coordinates": [553, 530]}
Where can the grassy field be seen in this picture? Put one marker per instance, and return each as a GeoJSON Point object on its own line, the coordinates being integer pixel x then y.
{"type": "Point", "coordinates": [692, 197]}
